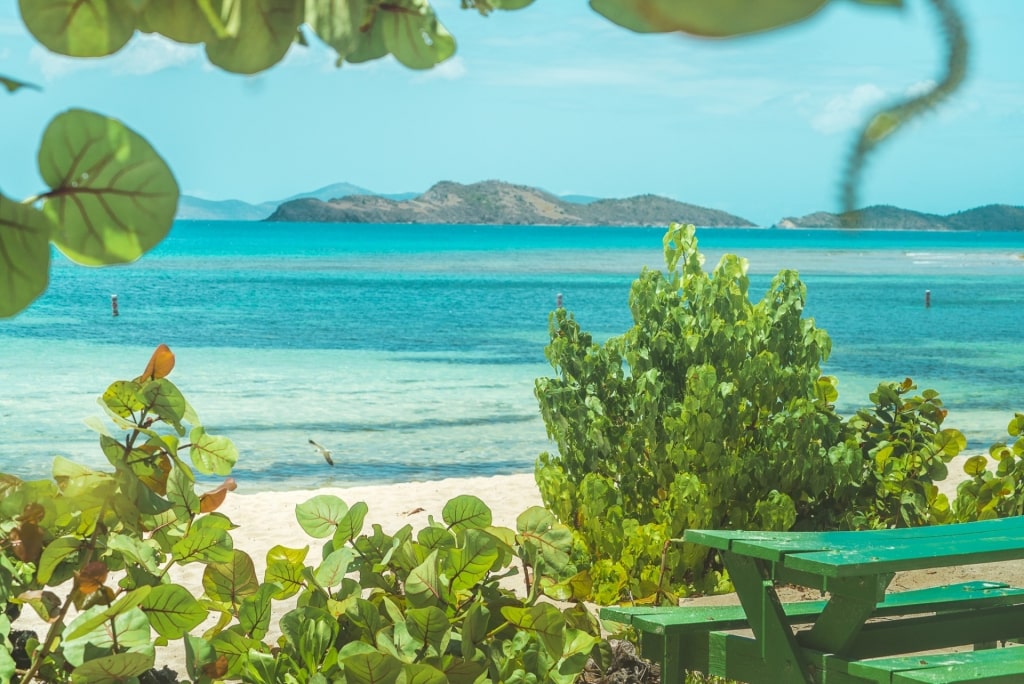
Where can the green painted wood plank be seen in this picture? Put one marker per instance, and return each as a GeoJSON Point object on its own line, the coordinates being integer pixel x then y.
{"type": "Point", "coordinates": [992, 665]}
{"type": "Point", "coordinates": [680, 619]}
{"type": "Point", "coordinates": [896, 557]}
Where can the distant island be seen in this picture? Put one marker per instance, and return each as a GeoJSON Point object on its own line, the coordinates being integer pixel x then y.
{"type": "Point", "coordinates": [498, 203]}
{"type": "Point", "coordinates": [884, 217]}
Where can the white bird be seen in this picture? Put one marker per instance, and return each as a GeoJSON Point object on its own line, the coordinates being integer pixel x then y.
{"type": "Point", "coordinates": [323, 451]}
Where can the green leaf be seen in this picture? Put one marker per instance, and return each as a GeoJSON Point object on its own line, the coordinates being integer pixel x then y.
{"type": "Point", "coordinates": [429, 626]}
{"type": "Point", "coordinates": [718, 19]}
{"type": "Point", "coordinates": [212, 455]}
{"type": "Point", "coordinates": [172, 610]}
{"type": "Point", "coordinates": [337, 23]}
{"type": "Point", "coordinates": [24, 255]}
{"type": "Point", "coordinates": [203, 544]}
{"type": "Point", "coordinates": [416, 673]}
{"type": "Point", "coordinates": [114, 669]}
{"type": "Point", "coordinates": [371, 668]}
{"type": "Point", "coordinates": [89, 628]}
{"type": "Point", "coordinates": [235, 648]}
{"type": "Point", "coordinates": [181, 492]}
{"type": "Point", "coordinates": [543, 537]}
{"type": "Point", "coordinates": [255, 613]}
{"type": "Point", "coordinates": [466, 512]}
{"type": "Point", "coordinates": [55, 552]}
{"type": "Point", "coordinates": [334, 568]}
{"type": "Point", "coordinates": [80, 28]}
{"type": "Point", "coordinates": [426, 586]}
{"type": "Point", "coordinates": [412, 33]}
{"type": "Point", "coordinates": [265, 33]}
{"type": "Point", "coordinates": [183, 21]}
{"type": "Point", "coordinates": [542, 619]}
{"type": "Point", "coordinates": [12, 85]}
{"type": "Point", "coordinates": [198, 652]}
{"type": "Point", "coordinates": [471, 563]}
{"type": "Point", "coordinates": [231, 581]}
{"type": "Point", "coordinates": [134, 550]}
{"type": "Point", "coordinates": [166, 401]}
{"type": "Point", "coordinates": [286, 574]}
{"type": "Point", "coordinates": [351, 524]}
{"type": "Point", "coordinates": [320, 515]}
{"type": "Point", "coordinates": [112, 197]}
{"type": "Point", "coordinates": [975, 465]}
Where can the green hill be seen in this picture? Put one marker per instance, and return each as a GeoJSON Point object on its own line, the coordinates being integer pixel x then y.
{"type": "Point", "coordinates": [498, 203]}
{"type": "Point", "coordinates": [885, 217]}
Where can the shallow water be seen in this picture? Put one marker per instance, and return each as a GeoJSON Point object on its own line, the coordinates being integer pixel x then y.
{"type": "Point", "coordinates": [411, 351]}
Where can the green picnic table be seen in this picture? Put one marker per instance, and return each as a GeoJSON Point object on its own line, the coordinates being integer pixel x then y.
{"type": "Point", "coordinates": [861, 632]}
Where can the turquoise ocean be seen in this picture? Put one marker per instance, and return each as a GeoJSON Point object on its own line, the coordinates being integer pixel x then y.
{"type": "Point", "coordinates": [411, 351]}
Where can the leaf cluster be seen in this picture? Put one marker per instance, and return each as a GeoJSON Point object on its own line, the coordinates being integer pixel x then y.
{"type": "Point", "coordinates": [91, 552]}
{"type": "Point", "coordinates": [711, 411]}
{"type": "Point", "coordinates": [999, 493]}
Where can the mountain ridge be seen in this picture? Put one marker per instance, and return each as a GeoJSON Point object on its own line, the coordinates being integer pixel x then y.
{"type": "Point", "coordinates": [887, 217]}
{"type": "Point", "coordinates": [499, 203]}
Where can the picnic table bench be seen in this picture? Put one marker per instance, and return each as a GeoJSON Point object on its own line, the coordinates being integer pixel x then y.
{"type": "Point", "coordinates": [862, 632]}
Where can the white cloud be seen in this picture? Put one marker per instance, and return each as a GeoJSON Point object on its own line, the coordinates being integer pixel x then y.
{"type": "Point", "coordinates": [144, 54]}
{"type": "Point", "coordinates": [847, 111]}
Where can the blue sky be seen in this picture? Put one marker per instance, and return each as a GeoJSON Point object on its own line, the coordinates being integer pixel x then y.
{"type": "Point", "coordinates": [556, 96]}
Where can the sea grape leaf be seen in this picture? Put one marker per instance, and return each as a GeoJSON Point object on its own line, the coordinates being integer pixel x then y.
{"type": "Point", "coordinates": [351, 524]}
{"type": "Point", "coordinates": [212, 500]}
{"type": "Point", "coordinates": [287, 575]}
{"type": "Point", "coordinates": [718, 19]}
{"type": "Point", "coordinates": [425, 585]}
{"type": "Point", "coordinates": [80, 28]}
{"type": "Point", "coordinates": [429, 626]}
{"type": "Point", "coordinates": [466, 512]}
{"type": "Point", "coordinates": [333, 569]}
{"type": "Point", "coordinates": [206, 544]}
{"type": "Point", "coordinates": [320, 515]}
{"type": "Point", "coordinates": [124, 397]}
{"type": "Point", "coordinates": [160, 365]}
{"type": "Point", "coordinates": [54, 553]}
{"type": "Point", "coordinates": [422, 673]}
{"type": "Point", "coordinates": [255, 612]}
{"type": "Point", "coordinates": [112, 197]}
{"type": "Point", "coordinates": [412, 33]}
{"type": "Point", "coordinates": [12, 84]}
{"type": "Point", "coordinates": [544, 620]}
{"type": "Point", "coordinates": [235, 648]}
{"type": "Point", "coordinates": [134, 550]}
{"type": "Point", "coordinates": [231, 581]}
{"type": "Point", "coordinates": [114, 669]}
{"type": "Point", "coordinates": [472, 562]}
{"type": "Point", "coordinates": [183, 21]}
{"type": "Point", "coordinates": [543, 538]}
{"type": "Point", "coordinates": [166, 401]}
{"type": "Point", "coordinates": [212, 455]}
{"type": "Point", "coordinates": [24, 255]}
{"type": "Point", "coordinates": [181, 492]}
{"type": "Point", "coordinates": [371, 668]}
{"type": "Point", "coordinates": [172, 610]}
{"type": "Point", "coordinates": [89, 628]}
{"type": "Point", "coordinates": [337, 22]}
{"type": "Point", "coordinates": [266, 31]}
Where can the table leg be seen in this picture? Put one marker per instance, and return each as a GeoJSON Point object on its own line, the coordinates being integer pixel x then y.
{"type": "Point", "coordinates": [853, 601]}
{"type": "Point", "coordinates": [779, 651]}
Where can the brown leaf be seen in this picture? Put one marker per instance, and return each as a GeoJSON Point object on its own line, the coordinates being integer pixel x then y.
{"type": "Point", "coordinates": [217, 668]}
{"type": "Point", "coordinates": [46, 603]}
{"type": "Point", "coordinates": [32, 513]}
{"type": "Point", "coordinates": [27, 542]}
{"type": "Point", "coordinates": [91, 577]}
{"type": "Point", "coordinates": [211, 500]}
{"type": "Point", "coordinates": [159, 366]}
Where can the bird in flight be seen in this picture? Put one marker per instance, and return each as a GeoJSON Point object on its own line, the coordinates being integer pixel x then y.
{"type": "Point", "coordinates": [323, 451]}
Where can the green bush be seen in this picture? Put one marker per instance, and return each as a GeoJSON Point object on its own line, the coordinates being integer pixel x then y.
{"type": "Point", "coordinates": [423, 607]}
{"type": "Point", "coordinates": [712, 412]}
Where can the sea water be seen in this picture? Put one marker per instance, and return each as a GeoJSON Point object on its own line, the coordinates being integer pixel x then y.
{"type": "Point", "coordinates": [411, 351]}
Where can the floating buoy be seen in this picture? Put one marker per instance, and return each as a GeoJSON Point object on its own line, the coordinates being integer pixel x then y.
{"type": "Point", "coordinates": [113, 304]}
{"type": "Point", "coordinates": [927, 298]}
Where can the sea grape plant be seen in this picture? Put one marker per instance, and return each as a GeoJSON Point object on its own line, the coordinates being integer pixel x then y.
{"type": "Point", "coordinates": [987, 494]}
{"type": "Point", "coordinates": [108, 539]}
{"type": "Point", "coordinates": [710, 411]}
{"type": "Point", "coordinates": [91, 552]}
